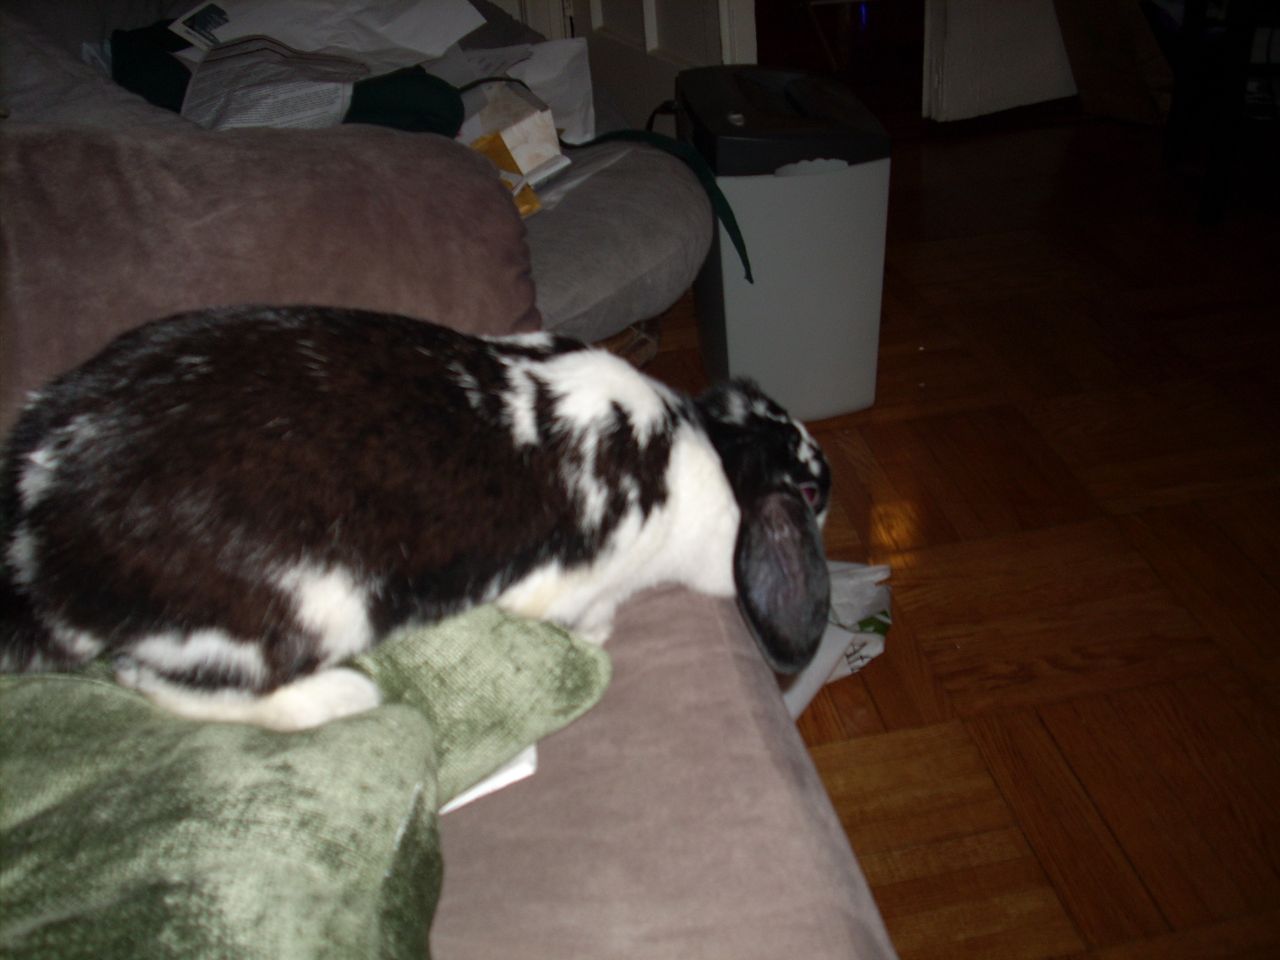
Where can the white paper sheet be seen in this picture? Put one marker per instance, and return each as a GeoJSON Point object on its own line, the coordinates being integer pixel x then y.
{"type": "Point", "coordinates": [385, 35]}
{"type": "Point", "coordinates": [524, 765]}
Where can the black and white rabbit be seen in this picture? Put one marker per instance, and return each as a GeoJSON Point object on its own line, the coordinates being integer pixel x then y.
{"type": "Point", "coordinates": [231, 502]}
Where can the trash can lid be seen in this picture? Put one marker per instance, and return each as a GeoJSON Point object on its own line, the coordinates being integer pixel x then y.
{"type": "Point", "coordinates": [748, 120]}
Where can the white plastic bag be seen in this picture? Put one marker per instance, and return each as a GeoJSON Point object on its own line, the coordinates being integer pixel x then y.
{"type": "Point", "coordinates": [384, 35]}
{"type": "Point", "coordinates": [259, 82]}
{"type": "Point", "coordinates": [856, 628]}
{"type": "Point", "coordinates": [558, 73]}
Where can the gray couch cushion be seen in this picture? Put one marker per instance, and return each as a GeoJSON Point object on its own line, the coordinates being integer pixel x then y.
{"type": "Point", "coordinates": [621, 246]}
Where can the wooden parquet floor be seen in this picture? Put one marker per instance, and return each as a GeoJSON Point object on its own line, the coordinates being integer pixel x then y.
{"type": "Point", "coordinates": [1071, 746]}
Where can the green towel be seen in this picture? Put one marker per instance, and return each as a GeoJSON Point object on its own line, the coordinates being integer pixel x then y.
{"type": "Point", "coordinates": [128, 832]}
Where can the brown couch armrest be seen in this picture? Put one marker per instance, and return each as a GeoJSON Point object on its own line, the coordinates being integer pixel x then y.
{"type": "Point", "coordinates": [103, 229]}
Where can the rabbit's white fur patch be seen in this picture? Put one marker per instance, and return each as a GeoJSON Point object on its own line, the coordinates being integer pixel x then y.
{"type": "Point", "coordinates": [21, 555]}
{"type": "Point", "coordinates": [177, 653]}
{"type": "Point", "coordinates": [331, 604]}
{"type": "Point", "coordinates": [467, 381]}
{"type": "Point", "coordinates": [589, 385]}
{"type": "Point", "coordinates": [41, 465]}
{"type": "Point", "coordinates": [37, 476]}
{"type": "Point", "coordinates": [687, 540]}
{"type": "Point", "coordinates": [307, 702]}
{"type": "Point", "coordinates": [80, 643]}
{"type": "Point", "coordinates": [519, 400]}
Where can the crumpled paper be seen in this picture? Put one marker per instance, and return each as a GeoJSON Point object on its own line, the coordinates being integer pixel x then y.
{"type": "Point", "coordinates": [858, 621]}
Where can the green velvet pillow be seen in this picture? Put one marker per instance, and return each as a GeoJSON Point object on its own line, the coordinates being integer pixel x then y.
{"type": "Point", "coordinates": [128, 832]}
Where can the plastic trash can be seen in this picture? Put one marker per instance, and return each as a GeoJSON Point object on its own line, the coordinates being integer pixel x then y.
{"type": "Point", "coordinates": [805, 167]}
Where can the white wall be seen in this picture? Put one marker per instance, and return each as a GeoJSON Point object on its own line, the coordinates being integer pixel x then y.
{"type": "Point", "coordinates": [545, 16]}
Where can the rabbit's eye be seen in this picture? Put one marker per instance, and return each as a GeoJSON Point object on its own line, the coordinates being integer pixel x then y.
{"type": "Point", "coordinates": [810, 491]}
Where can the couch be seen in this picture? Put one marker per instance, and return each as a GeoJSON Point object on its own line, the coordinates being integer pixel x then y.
{"type": "Point", "coordinates": [680, 817]}
{"type": "Point", "coordinates": [617, 249]}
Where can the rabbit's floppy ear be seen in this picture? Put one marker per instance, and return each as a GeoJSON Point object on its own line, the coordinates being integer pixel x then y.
{"type": "Point", "coordinates": [782, 483]}
{"type": "Point", "coordinates": [784, 587]}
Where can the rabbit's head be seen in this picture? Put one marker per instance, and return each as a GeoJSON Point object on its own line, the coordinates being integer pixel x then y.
{"type": "Point", "coordinates": [782, 483]}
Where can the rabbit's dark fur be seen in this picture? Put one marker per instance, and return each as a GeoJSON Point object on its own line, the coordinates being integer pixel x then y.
{"type": "Point", "coordinates": [230, 502]}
